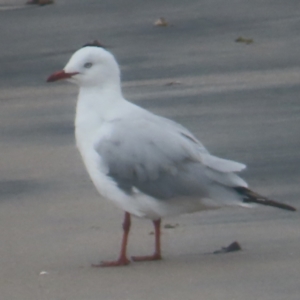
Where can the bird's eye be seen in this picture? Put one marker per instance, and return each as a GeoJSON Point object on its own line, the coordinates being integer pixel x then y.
{"type": "Point", "coordinates": [88, 65]}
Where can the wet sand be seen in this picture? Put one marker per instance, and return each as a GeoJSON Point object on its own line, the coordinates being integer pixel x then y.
{"type": "Point", "coordinates": [241, 100]}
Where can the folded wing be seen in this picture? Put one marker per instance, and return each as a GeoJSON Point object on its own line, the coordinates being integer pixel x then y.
{"type": "Point", "coordinates": [163, 159]}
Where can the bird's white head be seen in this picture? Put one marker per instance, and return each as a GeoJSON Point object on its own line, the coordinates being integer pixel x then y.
{"type": "Point", "coordinates": [90, 66]}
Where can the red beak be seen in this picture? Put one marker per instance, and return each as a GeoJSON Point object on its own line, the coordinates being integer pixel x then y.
{"type": "Point", "coordinates": [60, 75]}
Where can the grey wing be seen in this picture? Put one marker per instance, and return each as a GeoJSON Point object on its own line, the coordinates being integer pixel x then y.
{"type": "Point", "coordinates": [159, 159]}
{"type": "Point", "coordinates": [211, 161]}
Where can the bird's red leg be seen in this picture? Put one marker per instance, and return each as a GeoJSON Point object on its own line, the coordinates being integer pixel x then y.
{"type": "Point", "coordinates": [122, 260]}
{"type": "Point", "coordinates": [157, 252]}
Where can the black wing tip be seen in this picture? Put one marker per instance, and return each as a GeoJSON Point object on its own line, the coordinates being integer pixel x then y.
{"type": "Point", "coordinates": [280, 205]}
{"type": "Point", "coordinates": [252, 197]}
{"type": "Point", "coordinates": [94, 43]}
{"type": "Point", "coordinates": [290, 208]}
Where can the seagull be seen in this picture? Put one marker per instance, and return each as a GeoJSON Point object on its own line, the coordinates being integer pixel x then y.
{"type": "Point", "coordinates": [149, 166]}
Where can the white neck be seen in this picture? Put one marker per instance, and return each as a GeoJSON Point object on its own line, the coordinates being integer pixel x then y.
{"type": "Point", "coordinates": [95, 106]}
{"type": "Point", "coordinates": [98, 102]}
